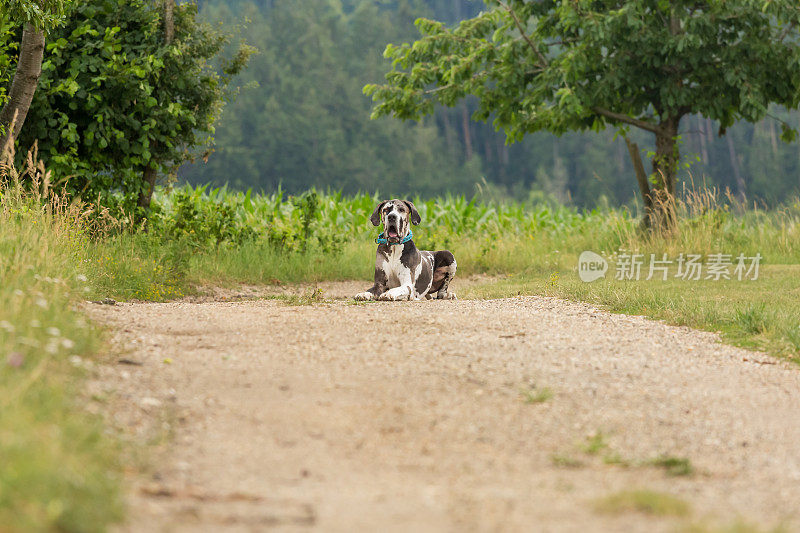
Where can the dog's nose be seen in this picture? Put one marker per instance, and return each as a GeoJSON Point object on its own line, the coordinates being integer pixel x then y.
{"type": "Point", "coordinates": [392, 218]}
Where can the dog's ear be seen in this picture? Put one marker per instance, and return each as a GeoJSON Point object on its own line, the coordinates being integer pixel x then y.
{"type": "Point", "coordinates": [376, 215]}
{"type": "Point", "coordinates": [415, 218]}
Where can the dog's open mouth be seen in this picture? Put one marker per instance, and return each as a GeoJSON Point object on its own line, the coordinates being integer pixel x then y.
{"type": "Point", "coordinates": [392, 235]}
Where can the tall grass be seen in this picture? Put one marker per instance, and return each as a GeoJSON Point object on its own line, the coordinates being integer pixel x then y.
{"type": "Point", "coordinates": [199, 234]}
{"type": "Point", "coordinates": [58, 469]}
{"type": "Point", "coordinates": [708, 221]}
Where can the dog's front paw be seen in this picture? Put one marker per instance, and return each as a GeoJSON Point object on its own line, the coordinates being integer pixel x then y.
{"type": "Point", "coordinates": [446, 296]}
{"type": "Point", "coordinates": [398, 293]}
{"type": "Point", "coordinates": [364, 296]}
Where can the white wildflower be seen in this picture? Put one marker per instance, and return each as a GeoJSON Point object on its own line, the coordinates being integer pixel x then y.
{"type": "Point", "coordinates": [27, 341]}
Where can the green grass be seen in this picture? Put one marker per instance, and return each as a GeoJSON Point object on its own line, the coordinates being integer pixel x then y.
{"type": "Point", "coordinates": [566, 461]}
{"type": "Point", "coordinates": [673, 466]}
{"type": "Point", "coordinates": [738, 526]}
{"type": "Point", "coordinates": [762, 314]}
{"type": "Point", "coordinates": [534, 396]}
{"type": "Point", "coordinates": [595, 444]}
{"type": "Point", "coordinates": [615, 459]}
{"type": "Point", "coordinates": [643, 501]}
{"type": "Point", "coordinates": [59, 469]}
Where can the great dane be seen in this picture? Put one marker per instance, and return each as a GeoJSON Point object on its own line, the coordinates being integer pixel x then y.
{"type": "Point", "coordinates": [402, 272]}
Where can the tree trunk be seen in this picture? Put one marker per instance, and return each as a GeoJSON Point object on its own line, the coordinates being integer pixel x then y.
{"type": "Point", "coordinates": [467, 137]}
{"type": "Point", "coordinates": [773, 138]}
{"type": "Point", "coordinates": [741, 192]}
{"type": "Point", "coordinates": [644, 186]}
{"type": "Point", "coordinates": [702, 136]}
{"type": "Point", "coordinates": [169, 21]}
{"type": "Point", "coordinates": [150, 173]}
{"type": "Point", "coordinates": [665, 168]}
{"type": "Point", "coordinates": [456, 9]}
{"type": "Point", "coordinates": [146, 193]}
{"type": "Point", "coordinates": [448, 131]}
{"type": "Point", "coordinates": [20, 95]}
{"type": "Point", "coordinates": [502, 157]}
{"type": "Point", "coordinates": [487, 151]}
{"type": "Point", "coordinates": [710, 131]}
{"type": "Point", "coordinates": [665, 161]}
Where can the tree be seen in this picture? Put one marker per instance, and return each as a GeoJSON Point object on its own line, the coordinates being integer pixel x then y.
{"type": "Point", "coordinates": [36, 17]}
{"type": "Point", "coordinates": [117, 98]}
{"type": "Point", "coordinates": [150, 173]}
{"type": "Point", "coordinates": [585, 64]}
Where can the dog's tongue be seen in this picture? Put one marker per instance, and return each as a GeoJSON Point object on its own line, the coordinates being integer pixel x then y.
{"type": "Point", "coordinates": [391, 233]}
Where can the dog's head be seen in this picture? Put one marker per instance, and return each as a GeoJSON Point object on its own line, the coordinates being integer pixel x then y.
{"type": "Point", "coordinates": [396, 217]}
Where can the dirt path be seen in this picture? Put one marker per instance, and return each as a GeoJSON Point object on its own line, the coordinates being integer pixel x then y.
{"type": "Point", "coordinates": [425, 416]}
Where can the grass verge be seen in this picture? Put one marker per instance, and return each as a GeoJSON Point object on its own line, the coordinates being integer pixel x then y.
{"type": "Point", "coordinates": [763, 314]}
{"type": "Point", "coordinates": [643, 501]}
{"type": "Point", "coordinates": [59, 468]}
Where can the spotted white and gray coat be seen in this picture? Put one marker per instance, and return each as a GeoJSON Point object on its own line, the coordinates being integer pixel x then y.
{"type": "Point", "coordinates": [402, 272]}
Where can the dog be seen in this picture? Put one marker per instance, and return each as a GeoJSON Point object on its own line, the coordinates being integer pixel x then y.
{"type": "Point", "coordinates": [402, 272]}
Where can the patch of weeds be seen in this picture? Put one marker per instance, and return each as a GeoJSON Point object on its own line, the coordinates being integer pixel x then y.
{"type": "Point", "coordinates": [792, 336]}
{"type": "Point", "coordinates": [309, 297]}
{"type": "Point", "coordinates": [643, 501]}
{"type": "Point", "coordinates": [565, 461]}
{"type": "Point", "coordinates": [595, 444]}
{"type": "Point", "coordinates": [673, 466]}
{"type": "Point", "coordinates": [534, 395]}
{"type": "Point", "coordinates": [751, 319]}
{"type": "Point", "coordinates": [614, 458]}
{"type": "Point", "coordinates": [735, 527]}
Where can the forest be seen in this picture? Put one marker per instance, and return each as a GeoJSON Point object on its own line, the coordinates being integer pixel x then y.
{"type": "Point", "coordinates": [300, 120]}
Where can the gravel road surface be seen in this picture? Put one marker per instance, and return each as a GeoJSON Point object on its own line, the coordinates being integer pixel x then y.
{"type": "Point", "coordinates": [519, 414]}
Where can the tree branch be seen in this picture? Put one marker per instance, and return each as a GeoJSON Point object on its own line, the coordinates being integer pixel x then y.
{"type": "Point", "coordinates": [518, 24]}
{"type": "Point", "coordinates": [628, 120]}
{"type": "Point", "coordinates": [26, 77]}
{"type": "Point", "coordinates": [786, 31]}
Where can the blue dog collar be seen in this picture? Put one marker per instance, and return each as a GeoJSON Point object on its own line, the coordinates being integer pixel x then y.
{"type": "Point", "coordinates": [382, 240]}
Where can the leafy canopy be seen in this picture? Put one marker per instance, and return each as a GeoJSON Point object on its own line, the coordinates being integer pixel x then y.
{"type": "Point", "coordinates": [560, 66]}
{"type": "Point", "coordinates": [113, 98]}
{"type": "Point", "coordinates": [42, 14]}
